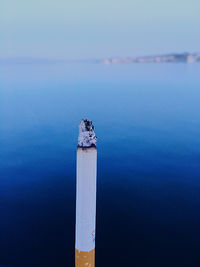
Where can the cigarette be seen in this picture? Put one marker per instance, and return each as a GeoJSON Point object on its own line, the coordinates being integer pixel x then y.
{"type": "Point", "coordinates": [86, 172]}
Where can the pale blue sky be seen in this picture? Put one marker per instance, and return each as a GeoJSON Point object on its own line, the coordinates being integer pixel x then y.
{"type": "Point", "coordinates": [82, 29]}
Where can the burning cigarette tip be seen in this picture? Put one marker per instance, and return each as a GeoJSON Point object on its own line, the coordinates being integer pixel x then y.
{"type": "Point", "coordinates": [87, 137]}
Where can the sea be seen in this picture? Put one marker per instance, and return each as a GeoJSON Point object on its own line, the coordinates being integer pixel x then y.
{"type": "Point", "coordinates": [147, 120]}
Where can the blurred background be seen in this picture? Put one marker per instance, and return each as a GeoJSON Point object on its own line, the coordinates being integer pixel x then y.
{"type": "Point", "coordinates": [146, 117]}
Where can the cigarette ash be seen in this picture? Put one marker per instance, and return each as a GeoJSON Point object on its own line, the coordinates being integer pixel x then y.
{"type": "Point", "coordinates": [87, 137]}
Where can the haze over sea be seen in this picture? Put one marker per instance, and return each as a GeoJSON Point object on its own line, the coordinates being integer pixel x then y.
{"type": "Point", "coordinates": [147, 121]}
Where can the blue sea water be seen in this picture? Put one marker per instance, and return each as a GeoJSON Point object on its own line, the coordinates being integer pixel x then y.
{"type": "Point", "coordinates": [147, 119]}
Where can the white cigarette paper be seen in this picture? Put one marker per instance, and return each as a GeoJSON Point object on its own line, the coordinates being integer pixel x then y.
{"type": "Point", "coordinates": [86, 194]}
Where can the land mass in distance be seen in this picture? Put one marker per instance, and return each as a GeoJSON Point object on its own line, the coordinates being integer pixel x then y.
{"type": "Point", "coordinates": [168, 58]}
{"type": "Point", "coordinates": [174, 58]}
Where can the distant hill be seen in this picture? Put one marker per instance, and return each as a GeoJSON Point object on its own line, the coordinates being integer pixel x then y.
{"type": "Point", "coordinates": [174, 58]}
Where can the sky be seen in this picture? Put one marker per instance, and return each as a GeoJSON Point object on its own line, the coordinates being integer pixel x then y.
{"type": "Point", "coordinates": [94, 29]}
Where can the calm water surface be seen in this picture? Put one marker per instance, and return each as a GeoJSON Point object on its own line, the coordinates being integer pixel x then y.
{"type": "Point", "coordinates": [147, 120]}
